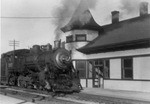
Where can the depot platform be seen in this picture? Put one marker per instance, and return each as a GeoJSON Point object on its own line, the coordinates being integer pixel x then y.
{"type": "Point", "coordinates": [132, 95]}
{"type": "Point", "coordinates": [10, 100]}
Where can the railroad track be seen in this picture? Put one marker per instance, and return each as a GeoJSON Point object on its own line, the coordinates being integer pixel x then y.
{"type": "Point", "coordinates": [75, 98]}
{"type": "Point", "coordinates": [41, 95]}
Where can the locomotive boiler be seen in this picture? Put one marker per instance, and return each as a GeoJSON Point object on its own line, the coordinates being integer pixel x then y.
{"type": "Point", "coordinates": [44, 68]}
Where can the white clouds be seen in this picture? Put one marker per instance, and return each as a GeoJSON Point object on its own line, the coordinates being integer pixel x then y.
{"type": "Point", "coordinates": [28, 7]}
{"type": "Point", "coordinates": [102, 14]}
{"type": "Point", "coordinates": [28, 32]}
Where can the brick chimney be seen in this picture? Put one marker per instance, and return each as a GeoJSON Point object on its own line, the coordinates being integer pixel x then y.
{"type": "Point", "coordinates": [143, 8]}
{"type": "Point", "coordinates": [115, 16]}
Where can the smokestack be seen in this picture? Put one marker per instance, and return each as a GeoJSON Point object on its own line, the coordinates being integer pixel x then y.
{"type": "Point", "coordinates": [63, 44]}
{"type": "Point", "coordinates": [115, 16]}
{"type": "Point", "coordinates": [57, 43]}
{"type": "Point", "coordinates": [143, 8]}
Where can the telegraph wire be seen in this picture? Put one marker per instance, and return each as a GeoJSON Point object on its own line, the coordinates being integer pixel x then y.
{"type": "Point", "coordinates": [31, 17]}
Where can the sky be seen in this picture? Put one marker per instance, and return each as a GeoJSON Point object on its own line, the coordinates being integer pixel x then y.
{"type": "Point", "coordinates": [35, 21]}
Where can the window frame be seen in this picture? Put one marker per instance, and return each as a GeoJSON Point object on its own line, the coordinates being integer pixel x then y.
{"type": "Point", "coordinates": [102, 63]}
{"type": "Point", "coordinates": [123, 69]}
{"type": "Point", "coordinates": [81, 69]}
{"type": "Point", "coordinates": [80, 35]}
{"type": "Point", "coordinates": [108, 69]}
{"type": "Point", "coordinates": [71, 37]}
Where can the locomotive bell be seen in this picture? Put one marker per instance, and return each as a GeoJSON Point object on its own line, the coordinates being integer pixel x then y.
{"type": "Point", "coordinates": [49, 47]}
{"type": "Point", "coordinates": [36, 49]}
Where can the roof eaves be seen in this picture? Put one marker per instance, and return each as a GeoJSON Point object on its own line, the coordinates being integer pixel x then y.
{"type": "Point", "coordinates": [92, 25]}
{"type": "Point", "coordinates": [144, 43]}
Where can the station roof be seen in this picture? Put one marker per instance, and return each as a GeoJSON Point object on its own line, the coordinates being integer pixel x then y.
{"type": "Point", "coordinates": [128, 34]}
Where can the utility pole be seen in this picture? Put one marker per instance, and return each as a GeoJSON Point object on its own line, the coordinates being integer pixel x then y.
{"type": "Point", "coordinates": [13, 43]}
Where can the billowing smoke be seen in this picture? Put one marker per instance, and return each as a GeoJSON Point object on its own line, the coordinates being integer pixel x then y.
{"type": "Point", "coordinates": [130, 7]}
{"type": "Point", "coordinates": [126, 8]}
{"type": "Point", "coordinates": [66, 10]}
{"type": "Point", "coordinates": [81, 12]}
{"type": "Point", "coordinates": [63, 13]}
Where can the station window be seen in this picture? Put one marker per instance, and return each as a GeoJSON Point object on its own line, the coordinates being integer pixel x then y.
{"type": "Point", "coordinates": [81, 67]}
{"type": "Point", "coordinates": [98, 63]}
{"type": "Point", "coordinates": [90, 69]}
{"type": "Point", "coordinates": [104, 66]}
{"type": "Point", "coordinates": [127, 68]}
{"type": "Point", "coordinates": [80, 37]}
{"type": "Point", "coordinates": [69, 38]}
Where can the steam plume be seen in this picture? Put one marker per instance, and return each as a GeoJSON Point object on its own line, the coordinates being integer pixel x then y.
{"type": "Point", "coordinates": [65, 11]}
{"type": "Point", "coordinates": [130, 6]}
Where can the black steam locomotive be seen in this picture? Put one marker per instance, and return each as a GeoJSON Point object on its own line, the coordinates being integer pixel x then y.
{"type": "Point", "coordinates": [41, 68]}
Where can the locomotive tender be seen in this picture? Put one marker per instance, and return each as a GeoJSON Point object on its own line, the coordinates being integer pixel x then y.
{"type": "Point", "coordinates": [41, 68]}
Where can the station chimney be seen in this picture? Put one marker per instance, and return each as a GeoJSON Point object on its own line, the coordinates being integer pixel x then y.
{"type": "Point", "coordinates": [143, 8]}
{"type": "Point", "coordinates": [115, 16]}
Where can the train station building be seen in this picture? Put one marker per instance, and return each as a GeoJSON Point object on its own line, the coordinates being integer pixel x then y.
{"type": "Point", "coordinates": [113, 56]}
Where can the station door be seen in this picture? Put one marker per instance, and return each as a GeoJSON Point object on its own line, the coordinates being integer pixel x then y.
{"type": "Point", "coordinates": [98, 76]}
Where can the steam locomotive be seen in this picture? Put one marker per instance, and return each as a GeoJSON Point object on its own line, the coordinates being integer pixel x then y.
{"type": "Point", "coordinates": [41, 68]}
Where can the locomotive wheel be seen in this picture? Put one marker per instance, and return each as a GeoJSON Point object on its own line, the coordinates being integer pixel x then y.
{"type": "Point", "coordinates": [11, 82]}
{"type": "Point", "coordinates": [20, 83]}
{"type": "Point", "coordinates": [53, 89]}
{"type": "Point", "coordinates": [47, 86]}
